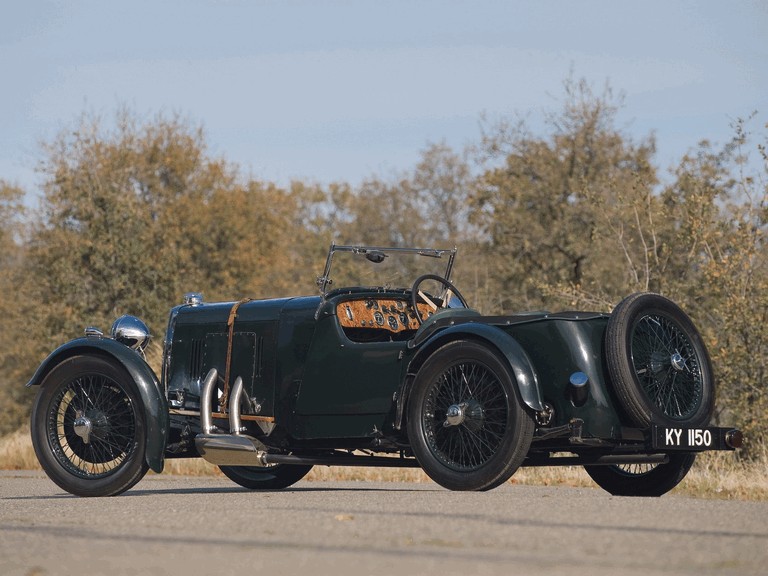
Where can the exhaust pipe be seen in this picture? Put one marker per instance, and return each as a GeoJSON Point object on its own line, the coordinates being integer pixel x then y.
{"type": "Point", "coordinates": [235, 426]}
{"type": "Point", "coordinates": [206, 421]}
{"type": "Point", "coordinates": [234, 449]}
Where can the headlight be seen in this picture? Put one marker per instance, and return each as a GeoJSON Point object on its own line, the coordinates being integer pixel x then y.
{"type": "Point", "coordinates": [132, 332]}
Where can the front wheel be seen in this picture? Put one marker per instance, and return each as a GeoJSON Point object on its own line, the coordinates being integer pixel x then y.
{"type": "Point", "coordinates": [266, 478]}
{"type": "Point", "coordinates": [642, 479]}
{"type": "Point", "coordinates": [466, 424]}
{"type": "Point", "coordinates": [88, 428]}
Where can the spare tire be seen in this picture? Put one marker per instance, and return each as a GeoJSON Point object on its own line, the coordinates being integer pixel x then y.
{"type": "Point", "coordinates": [658, 363]}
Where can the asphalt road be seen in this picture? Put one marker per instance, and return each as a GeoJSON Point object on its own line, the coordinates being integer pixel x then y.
{"type": "Point", "coordinates": [190, 526]}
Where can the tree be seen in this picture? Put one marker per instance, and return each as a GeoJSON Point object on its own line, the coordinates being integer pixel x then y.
{"type": "Point", "coordinates": [136, 215]}
{"type": "Point", "coordinates": [733, 258]}
{"type": "Point", "coordinates": [541, 205]}
{"type": "Point", "coordinates": [17, 312]}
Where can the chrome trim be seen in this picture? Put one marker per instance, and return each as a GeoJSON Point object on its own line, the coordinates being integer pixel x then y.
{"type": "Point", "coordinates": [83, 426]}
{"type": "Point", "coordinates": [131, 332]}
{"type": "Point", "coordinates": [231, 450]}
{"type": "Point", "coordinates": [193, 298]}
{"type": "Point", "coordinates": [677, 361]}
{"type": "Point", "coordinates": [235, 427]}
{"type": "Point", "coordinates": [93, 332]}
{"type": "Point", "coordinates": [579, 388]}
{"type": "Point", "coordinates": [454, 415]}
{"type": "Point", "coordinates": [206, 421]}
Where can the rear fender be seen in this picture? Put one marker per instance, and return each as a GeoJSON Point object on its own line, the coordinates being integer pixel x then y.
{"type": "Point", "coordinates": [507, 347]}
{"type": "Point", "coordinates": [152, 397]}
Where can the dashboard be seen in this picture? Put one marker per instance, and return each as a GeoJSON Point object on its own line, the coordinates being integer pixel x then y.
{"type": "Point", "coordinates": [388, 314]}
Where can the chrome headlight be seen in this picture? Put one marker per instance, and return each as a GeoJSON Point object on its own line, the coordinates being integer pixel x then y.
{"type": "Point", "coordinates": [132, 332]}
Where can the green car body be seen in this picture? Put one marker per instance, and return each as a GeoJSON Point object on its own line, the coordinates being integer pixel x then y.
{"type": "Point", "coordinates": [354, 376]}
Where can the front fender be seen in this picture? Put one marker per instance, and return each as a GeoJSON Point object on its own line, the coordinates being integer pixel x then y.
{"type": "Point", "coordinates": [519, 362]}
{"type": "Point", "coordinates": [153, 399]}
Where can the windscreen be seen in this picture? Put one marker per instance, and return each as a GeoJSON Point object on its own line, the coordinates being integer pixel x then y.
{"type": "Point", "coordinates": [391, 268]}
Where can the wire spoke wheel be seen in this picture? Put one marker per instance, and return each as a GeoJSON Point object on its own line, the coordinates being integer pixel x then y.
{"type": "Point", "coordinates": [466, 424]}
{"type": "Point", "coordinates": [658, 363]}
{"type": "Point", "coordinates": [642, 479]}
{"type": "Point", "coordinates": [667, 366]}
{"type": "Point", "coordinates": [635, 469]}
{"type": "Point", "coordinates": [100, 410]}
{"type": "Point", "coordinates": [477, 398]}
{"type": "Point", "coordinates": [88, 427]}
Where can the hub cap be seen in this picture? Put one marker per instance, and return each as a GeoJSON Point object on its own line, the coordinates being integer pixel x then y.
{"type": "Point", "coordinates": [83, 427]}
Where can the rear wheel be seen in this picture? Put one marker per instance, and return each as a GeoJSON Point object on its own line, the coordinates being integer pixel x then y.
{"type": "Point", "coordinates": [658, 363]}
{"type": "Point", "coordinates": [466, 424]}
{"type": "Point", "coordinates": [88, 427]}
{"type": "Point", "coordinates": [642, 479]}
{"type": "Point", "coordinates": [266, 478]}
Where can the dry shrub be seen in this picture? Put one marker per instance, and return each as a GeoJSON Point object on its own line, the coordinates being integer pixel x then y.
{"type": "Point", "coordinates": [16, 452]}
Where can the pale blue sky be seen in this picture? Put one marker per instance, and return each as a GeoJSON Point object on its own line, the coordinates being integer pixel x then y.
{"type": "Point", "coordinates": [324, 91]}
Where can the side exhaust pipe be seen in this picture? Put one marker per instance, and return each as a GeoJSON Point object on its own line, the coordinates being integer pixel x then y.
{"type": "Point", "coordinates": [235, 448]}
{"type": "Point", "coordinates": [206, 421]}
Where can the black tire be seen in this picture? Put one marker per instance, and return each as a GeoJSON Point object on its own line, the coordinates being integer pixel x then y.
{"type": "Point", "coordinates": [491, 431]}
{"type": "Point", "coordinates": [267, 478]}
{"type": "Point", "coordinates": [642, 479]}
{"type": "Point", "coordinates": [658, 363]}
{"type": "Point", "coordinates": [108, 459]}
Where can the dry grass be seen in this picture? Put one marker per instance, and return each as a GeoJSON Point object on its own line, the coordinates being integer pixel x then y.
{"type": "Point", "coordinates": [16, 452]}
{"type": "Point", "coordinates": [716, 474]}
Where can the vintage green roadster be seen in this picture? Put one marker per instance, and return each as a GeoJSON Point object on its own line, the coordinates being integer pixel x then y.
{"type": "Point", "coordinates": [379, 371]}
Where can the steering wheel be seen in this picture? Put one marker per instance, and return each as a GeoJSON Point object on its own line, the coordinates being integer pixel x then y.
{"type": "Point", "coordinates": [416, 294]}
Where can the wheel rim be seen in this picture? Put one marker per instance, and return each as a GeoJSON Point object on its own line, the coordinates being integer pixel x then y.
{"type": "Point", "coordinates": [91, 426]}
{"type": "Point", "coordinates": [465, 416]}
{"type": "Point", "coordinates": [667, 366]}
{"type": "Point", "coordinates": [634, 470]}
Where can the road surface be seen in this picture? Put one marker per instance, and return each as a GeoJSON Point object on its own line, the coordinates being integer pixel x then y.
{"type": "Point", "coordinates": [171, 525]}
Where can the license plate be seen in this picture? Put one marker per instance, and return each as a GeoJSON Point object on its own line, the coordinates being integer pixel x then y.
{"type": "Point", "coordinates": [689, 439]}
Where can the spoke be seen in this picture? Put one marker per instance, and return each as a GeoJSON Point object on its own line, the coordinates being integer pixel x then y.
{"type": "Point", "coordinates": [469, 445]}
{"type": "Point", "coordinates": [655, 342]}
{"type": "Point", "coordinates": [470, 394]}
{"type": "Point", "coordinates": [112, 440]}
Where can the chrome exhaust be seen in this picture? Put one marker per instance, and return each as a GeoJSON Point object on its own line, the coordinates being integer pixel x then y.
{"type": "Point", "coordinates": [234, 449]}
{"type": "Point", "coordinates": [206, 421]}
{"type": "Point", "coordinates": [235, 426]}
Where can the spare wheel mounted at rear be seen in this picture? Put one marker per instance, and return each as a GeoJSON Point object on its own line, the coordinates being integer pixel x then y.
{"type": "Point", "coordinates": [658, 363]}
